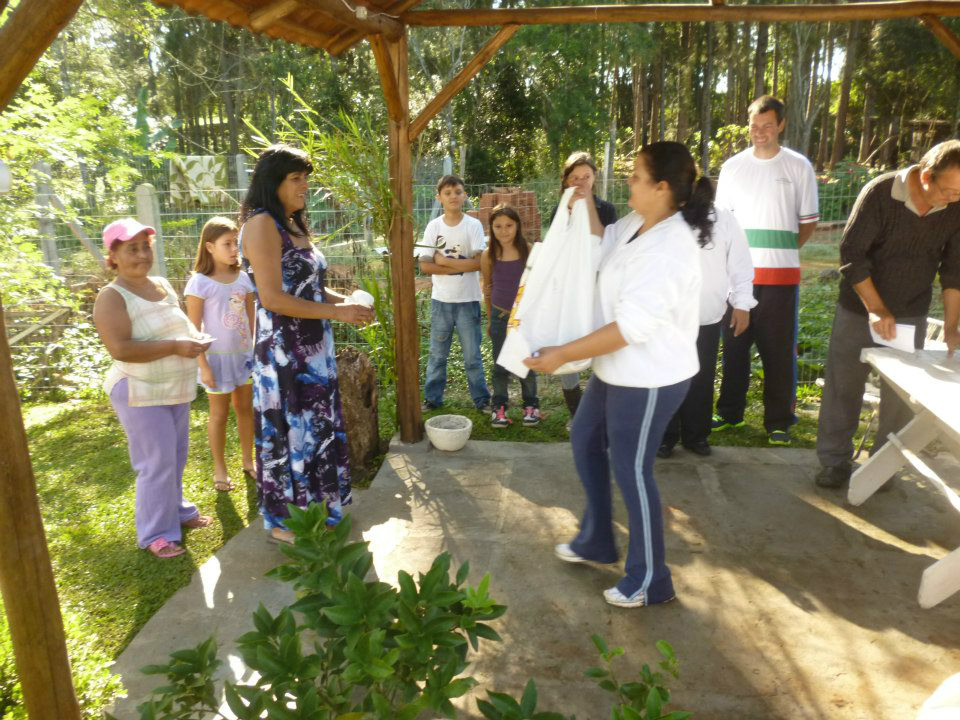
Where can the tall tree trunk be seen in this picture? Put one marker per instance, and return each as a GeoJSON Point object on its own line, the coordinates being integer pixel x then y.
{"type": "Point", "coordinates": [662, 109]}
{"type": "Point", "coordinates": [685, 90]}
{"type": "Point", "coordinates": [730, 97]}
{"type": "Point", "coordinates": [776, 60]}
{"type": "Point", "coordinates": [178, 109]}
{"type": "Point", "coordinates": [227, 70]}
{"type": "Point", "coordinates": [824, 141]}
{"type": "Point", "coordinates": [638, 76]}
{"type": "Point", "coordinates": [760, 60]}
{"type": "Point", "coordinates": [745, 84]}
{"type": "Point", "coordinates": [866, 134]}
{"type": "Point", "coordinates": [706, 103]}
{"type": "Point", "coordinates": [849, 63]}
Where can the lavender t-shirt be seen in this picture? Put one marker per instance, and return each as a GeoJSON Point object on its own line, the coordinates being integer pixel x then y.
{"type": "Point", "coordinates": [230, 356]}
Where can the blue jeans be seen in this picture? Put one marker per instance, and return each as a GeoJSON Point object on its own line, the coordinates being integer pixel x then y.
{"type": "Point", "coordinates": [465, 317]}
{"type": "Point", "coordinates": [500, 376]}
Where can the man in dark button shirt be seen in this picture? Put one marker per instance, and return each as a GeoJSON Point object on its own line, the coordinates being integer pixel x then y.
{"type": "Point", "coordinates": [903, 230]}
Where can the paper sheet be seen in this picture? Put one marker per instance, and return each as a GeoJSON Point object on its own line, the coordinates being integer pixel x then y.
{"type": "Point", "coordinates": [902, 341]}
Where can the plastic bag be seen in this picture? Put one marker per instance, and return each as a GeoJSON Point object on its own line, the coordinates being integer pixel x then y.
{"type": "Point", "coordinates": [555, 300]}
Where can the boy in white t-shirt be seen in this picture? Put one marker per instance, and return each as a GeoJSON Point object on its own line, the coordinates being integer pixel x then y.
{"type": "Point", "coordinates": [451, 255]}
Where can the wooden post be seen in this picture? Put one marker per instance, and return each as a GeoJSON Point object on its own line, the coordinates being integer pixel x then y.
{"type": "Point", "coordinates": [26, 577]}
{"type": "Point", "coordinates": [148, 212]}
{"type": "Point", "coordinates": [25, 35]}
{"type": "Point", "coordinates": [392, 65]}
{"type": "Point", "coordinates": [45, 226]}
{"type": "Point", "coordinates": [943, 33]}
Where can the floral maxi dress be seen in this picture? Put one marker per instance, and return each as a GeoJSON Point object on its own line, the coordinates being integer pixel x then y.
{"type": "Point", "coordinates": [300, 437]}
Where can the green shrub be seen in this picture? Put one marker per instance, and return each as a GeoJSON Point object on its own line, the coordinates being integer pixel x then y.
{"type": "Point", "coordinates": [351, 649]}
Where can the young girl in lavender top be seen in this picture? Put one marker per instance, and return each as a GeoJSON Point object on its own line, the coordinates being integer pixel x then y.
{"type": "Point", "coordinates": [501, 266]}
{"type": "Point", "coordinates": [219, 299]}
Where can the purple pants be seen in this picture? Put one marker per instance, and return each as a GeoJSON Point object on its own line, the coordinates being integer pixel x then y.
{"type": "Point", "coordinates": [157, 437]}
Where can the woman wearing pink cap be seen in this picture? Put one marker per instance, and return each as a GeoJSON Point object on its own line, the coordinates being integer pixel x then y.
{"type": "Point", "coordinates": [151, 383]}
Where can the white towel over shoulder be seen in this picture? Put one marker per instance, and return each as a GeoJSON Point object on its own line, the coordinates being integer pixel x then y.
{"type": "Point", "coordinates": [555, 300]}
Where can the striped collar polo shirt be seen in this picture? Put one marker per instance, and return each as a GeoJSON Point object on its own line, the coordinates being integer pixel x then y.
{"type": "Point", "coordinates": [770, 199]}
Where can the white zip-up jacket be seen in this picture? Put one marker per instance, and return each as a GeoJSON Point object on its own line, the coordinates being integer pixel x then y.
{"type": "Point", "coordinates": [650, 287]}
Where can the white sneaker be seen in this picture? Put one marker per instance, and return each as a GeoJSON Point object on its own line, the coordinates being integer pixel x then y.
{"type": "Point", "coordinates": [566, 553]}
{"type": "Point", "coordinates": [615, 597]}
{"type": "Point", "coordinates": [638, 599]}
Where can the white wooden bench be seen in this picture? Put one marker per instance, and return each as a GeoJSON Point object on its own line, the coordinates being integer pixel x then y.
{"type": "Point", "coordinates": [930, 383]}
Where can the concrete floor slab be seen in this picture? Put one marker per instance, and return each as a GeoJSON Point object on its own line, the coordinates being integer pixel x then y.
{"type": "Point", "coordinates": [791, 603]}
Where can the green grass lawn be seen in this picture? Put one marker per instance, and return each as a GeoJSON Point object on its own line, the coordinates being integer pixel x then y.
{"type": "Point", "coordinates": [86, 489]}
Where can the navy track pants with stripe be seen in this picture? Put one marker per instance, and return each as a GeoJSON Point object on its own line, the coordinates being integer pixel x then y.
{"type": "Point", "coordinates": [619, 429]}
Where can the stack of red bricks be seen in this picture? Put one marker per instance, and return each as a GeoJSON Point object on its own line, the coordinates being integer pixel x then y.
{"type": "Point", "coordinates": [525, 203]}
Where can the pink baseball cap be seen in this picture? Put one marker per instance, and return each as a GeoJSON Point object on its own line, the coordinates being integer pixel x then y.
{"type": "Point", "coordinates": [123, 230]}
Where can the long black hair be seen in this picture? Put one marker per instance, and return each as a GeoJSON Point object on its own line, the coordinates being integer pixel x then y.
{"type": "Point", "coordinates": [672, 163]}
{"type": "Point", "coordinates": [496, 249]}
{"type": "Point", "coordinates": [272, 168]}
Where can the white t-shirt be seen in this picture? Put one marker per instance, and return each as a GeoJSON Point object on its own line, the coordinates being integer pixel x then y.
{"type": "Point", "coordinates": [726, 269]}
{"type": "Point", "coordinates": [464, 240]}
{"type": "Point", "coordinates": [770, 199]}
{"type": "Point", "coordinates": [650, 287]}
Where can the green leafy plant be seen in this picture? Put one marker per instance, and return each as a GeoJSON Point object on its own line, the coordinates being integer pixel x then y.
{"type": "Point", "coordinates": [352, 649]}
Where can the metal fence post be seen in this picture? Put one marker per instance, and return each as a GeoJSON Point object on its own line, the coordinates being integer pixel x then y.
{"type": "Point", "coordinates": [243, 179]}
{"type": "Point", "coordinates": [48, 239]}
{"type": "Point", "coordinates": [605, 173]}
{"type": "Point", "coordinates": [148, 212]}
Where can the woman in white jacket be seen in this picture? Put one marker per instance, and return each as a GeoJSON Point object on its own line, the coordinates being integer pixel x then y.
{"type": "Point", "coordinates": [644, 354]}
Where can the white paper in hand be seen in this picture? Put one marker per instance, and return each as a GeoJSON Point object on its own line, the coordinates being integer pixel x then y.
{"type": "Point", "coordinates": [902, 341]}
{"type": "Point", "coordinates": [555, 300]}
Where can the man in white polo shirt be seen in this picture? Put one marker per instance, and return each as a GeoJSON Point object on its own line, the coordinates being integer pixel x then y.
{"type": "Point", "coordinates": [772, 191]}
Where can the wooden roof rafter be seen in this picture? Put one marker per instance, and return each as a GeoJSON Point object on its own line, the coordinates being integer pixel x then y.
{"type": "Point", "coordinates": [684, 12]}
{"type": "Point", "coordinates": [237, 15]}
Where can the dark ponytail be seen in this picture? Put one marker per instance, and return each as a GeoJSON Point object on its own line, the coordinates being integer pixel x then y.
{"type": "Point", "coordinates": [672, 163]}
{"type": "Point", "coordinates": [698, 210]}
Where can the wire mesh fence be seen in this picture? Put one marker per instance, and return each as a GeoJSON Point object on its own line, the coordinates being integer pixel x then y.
{"type": "Point", "coordinates": [61, 353]}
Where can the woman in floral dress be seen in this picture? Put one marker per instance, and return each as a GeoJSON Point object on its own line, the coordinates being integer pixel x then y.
{"type": "Point", "coordinates": [300, 437]}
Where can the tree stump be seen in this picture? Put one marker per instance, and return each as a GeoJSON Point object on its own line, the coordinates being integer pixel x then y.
{"type": "Point", "coordinates": [358, 394]}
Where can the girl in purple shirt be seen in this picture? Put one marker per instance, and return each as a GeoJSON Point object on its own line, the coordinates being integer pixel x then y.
{"type": "Point", "coordinates": [501, 266]}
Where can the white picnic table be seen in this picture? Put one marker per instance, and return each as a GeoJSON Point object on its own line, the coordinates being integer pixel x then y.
{"type": "Point", "coordinates": [929, 382]}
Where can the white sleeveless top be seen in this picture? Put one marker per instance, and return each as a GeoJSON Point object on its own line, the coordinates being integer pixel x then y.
{"type": "Point", "coordinates": [169, 380]}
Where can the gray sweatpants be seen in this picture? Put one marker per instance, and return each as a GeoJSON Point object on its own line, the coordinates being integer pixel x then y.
{"type": "Point", "coordinates": [844, 380]}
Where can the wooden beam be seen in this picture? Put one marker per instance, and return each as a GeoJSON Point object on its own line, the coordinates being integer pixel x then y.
{"type": "Point", "coordinates": [28, 31]}
{"type": "Point", "coordinates": [346, 39]}
{"type": "Point", "coordinates": [403, 278]}
{"type": "Point", "coordinates": [26, 576]}
{"type": "Point", "coordinates": [461, 79]}
{"type": "Point", "coordinates": [388, 77]}
{"type": "Point", "coordinates": [943, 33]}
{"type": "Point", "coordinates": [370, 21]}
{"type": "Point", "coordinates": [233, 14]}
{"type": "Point", "coordinates": [670, 12]}
{"type": "Point", "coordinates": [263, 17]}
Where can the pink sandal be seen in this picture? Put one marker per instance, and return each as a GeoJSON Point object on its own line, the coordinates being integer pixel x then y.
{"type": "Point", "coordinates": [163, 549]}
